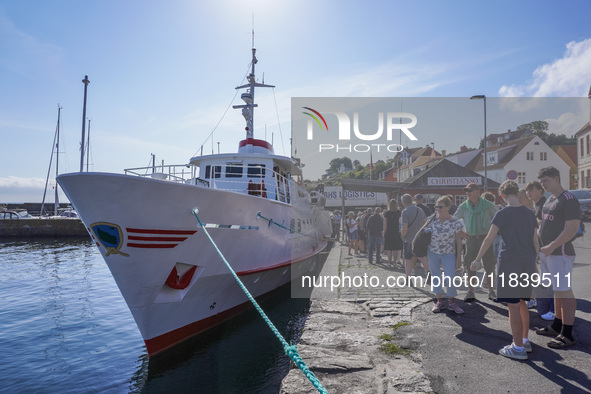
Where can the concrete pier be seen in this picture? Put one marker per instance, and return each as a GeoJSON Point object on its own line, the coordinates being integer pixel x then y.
{"type": "Point", "coordinates": [387, 340]}
{"type": "Point", "coordinates": [348, 339]}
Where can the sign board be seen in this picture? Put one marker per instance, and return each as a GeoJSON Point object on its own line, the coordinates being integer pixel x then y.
{"type": "Point", "coordinates": [453, 181]}
{"type": "Point", "coordinates": [333, 195]}
{"type": "Point", "coordinates": [512, 175]}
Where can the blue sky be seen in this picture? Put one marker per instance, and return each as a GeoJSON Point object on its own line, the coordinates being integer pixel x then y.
{"type": "Point", "coordinates": [163, 73]}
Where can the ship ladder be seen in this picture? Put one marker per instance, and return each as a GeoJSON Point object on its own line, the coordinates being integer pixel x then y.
{"type": "Point", "coordinates": [290, 350]}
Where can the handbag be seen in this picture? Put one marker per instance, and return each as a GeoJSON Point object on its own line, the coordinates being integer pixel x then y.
{"type": "Point", "coordinates": [422, 239]}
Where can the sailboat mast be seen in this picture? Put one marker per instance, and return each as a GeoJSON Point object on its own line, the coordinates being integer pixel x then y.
{"type": "Point", "coordinates": [85, 81]}
{"type": "Point", "coordinates": [53, 148]}
{"type": "Point", "coordinates": [88, 146]}
{"type": "Point", "coordinates": [57, 159]}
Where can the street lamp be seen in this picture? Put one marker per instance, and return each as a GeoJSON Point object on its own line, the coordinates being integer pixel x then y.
{"type": "Point", "coordinates": [483, 97]}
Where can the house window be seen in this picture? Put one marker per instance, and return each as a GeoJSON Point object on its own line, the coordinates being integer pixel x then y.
{"type": "Point", "coordinates": [582, 147]}
{"type": "Point", "coordinates": [543, 156]}
{"type": "Point", "coordinates": [521, 177]}
{"type": "Point", "coordinates": [588, 145]}
{"type": "Point", "coordinates": [529, 155]}
{"type": "Point", "coordinates": [491, 159]}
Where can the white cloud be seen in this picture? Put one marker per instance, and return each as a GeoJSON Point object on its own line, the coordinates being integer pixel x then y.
{"type": "Point", "coordinates": [13, 182]}
{"type": "Point", "coordinates": [16, 189]}
{"type": "Point", "coordinates": [570, 122]}
{"type": "Point", "coordinates": [564, 77]}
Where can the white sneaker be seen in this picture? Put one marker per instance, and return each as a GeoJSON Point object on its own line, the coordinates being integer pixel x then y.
{"type": "Point", "coordinates": [531, 304]}
{"type": "Point", "coordinates": [528, 347]}
{"type": "Point", "coordinates": [511, 352]}
{"type": "Point", "coordinates": [548, 316]}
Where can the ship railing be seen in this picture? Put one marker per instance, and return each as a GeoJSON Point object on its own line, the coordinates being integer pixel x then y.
{"type": "Point", "coordinates": [252, 180]}
{"type": "Point", "coordinates": [178, 173]}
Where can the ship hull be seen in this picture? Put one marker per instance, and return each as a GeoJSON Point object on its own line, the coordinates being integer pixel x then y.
{"type": "Point", "coordinates": [169, 273]}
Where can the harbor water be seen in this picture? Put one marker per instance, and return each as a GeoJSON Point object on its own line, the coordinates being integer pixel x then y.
{"type": "Point", "coordinates": [64, 327]}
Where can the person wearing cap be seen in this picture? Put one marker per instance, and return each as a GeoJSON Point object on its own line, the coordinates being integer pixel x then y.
{"type": "Point", "coordinates": [477, 214]}
{"type": "Point", "coordinates": [419, 203]}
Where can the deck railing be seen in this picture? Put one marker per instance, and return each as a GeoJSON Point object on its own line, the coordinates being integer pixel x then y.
{"type": "Point", "coordinates": [257, 183]}
{"type": "Point", "coordinates": [179, 173]}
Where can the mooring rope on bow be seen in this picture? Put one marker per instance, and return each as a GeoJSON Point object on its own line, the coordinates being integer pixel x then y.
{"type": "Point", "coordinates": [290, 350]}
{"type": "Point", "coordinates": [271, 221]}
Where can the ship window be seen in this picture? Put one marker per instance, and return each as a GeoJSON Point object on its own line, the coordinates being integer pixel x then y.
{"type": "Point", "coordinates": [217, 172]}
{"type": "Point", "coordinates": [256, 170]}
{"type": "Point", "coordinates": [234, 170]}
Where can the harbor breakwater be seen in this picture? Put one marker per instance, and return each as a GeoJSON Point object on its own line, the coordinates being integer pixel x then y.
{"type": "Point", "coordinates": [42, 228]}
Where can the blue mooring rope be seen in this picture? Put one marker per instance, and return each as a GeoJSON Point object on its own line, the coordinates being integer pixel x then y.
{"type": "Point", "coordinates": [290, 350]}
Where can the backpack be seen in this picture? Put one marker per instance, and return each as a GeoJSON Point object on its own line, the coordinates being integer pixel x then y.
{"type": "Point", "coordinates": [422, 239]}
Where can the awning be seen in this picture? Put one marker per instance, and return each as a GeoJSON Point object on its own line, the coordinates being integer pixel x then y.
{"type": "Point", "coordinates": [372, 186]}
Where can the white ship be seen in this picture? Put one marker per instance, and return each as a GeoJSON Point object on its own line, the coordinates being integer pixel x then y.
{"type": "Point", "coordinates": [264, 222]}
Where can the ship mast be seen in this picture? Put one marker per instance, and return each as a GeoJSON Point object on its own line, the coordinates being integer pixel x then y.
{"type": "Point", "coordinates": [248, 96]}
{"type": "Point", "coordinates": [55, 147]}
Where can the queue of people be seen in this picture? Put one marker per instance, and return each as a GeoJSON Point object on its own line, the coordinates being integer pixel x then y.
{"type": "Point", "coordinates": [526, 230]}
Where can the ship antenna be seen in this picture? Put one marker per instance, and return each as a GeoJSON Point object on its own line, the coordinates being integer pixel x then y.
{"type": "Point", "coordinates": [248, 96]}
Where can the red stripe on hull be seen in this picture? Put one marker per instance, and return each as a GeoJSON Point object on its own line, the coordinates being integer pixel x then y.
{"type": "Point", "coordinates": [168, 340]}
{"type": "Point", "coordinates": [272, 267]}
{"type": "Point", "coordinates": [170, 232]}
{"type": "Point", "coordinates": [169, 239]}
{"type": "Point", "coordinates": [151, 246]}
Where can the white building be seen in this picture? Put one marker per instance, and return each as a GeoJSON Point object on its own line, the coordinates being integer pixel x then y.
{"type": "Point", "coordinates": [583, 137]}
{"type": "Point", "coordinates": [520, 160]}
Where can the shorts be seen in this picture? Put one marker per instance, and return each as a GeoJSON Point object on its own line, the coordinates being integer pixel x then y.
{"type": "Point", "coordinates": [407, 250]}
{"type": "Point", "coordinates": [354, 236]}
{"type": "Point", "coordinates": [512, 300]}
{"type": "Point", "coordinates": [361, 235]}
{"type": "Point", "coordinates": [489, 260]}
{"type": "Point", "coordinates": [559, 269]}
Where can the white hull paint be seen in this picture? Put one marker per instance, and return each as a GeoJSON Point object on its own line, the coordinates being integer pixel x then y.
{"type": "Point", "coordinates": [158, 232]}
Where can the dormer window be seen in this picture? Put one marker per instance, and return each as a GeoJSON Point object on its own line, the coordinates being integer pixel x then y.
{"type": "Point", "coordinates": [491, 158]}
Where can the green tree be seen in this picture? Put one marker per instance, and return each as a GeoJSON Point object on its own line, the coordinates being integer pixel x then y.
{"type": "Point", "coordinates": [335, 164]}
{"type": "Point", "coordinates": [538, 127]}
